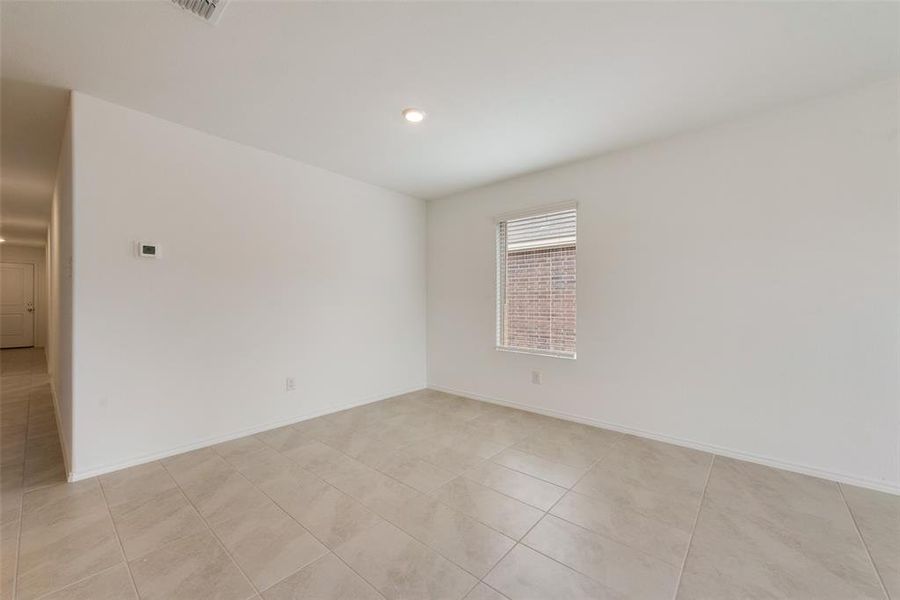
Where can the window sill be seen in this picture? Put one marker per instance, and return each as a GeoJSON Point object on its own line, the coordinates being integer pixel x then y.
{"type": "Point", "coordinates": [547, 353]}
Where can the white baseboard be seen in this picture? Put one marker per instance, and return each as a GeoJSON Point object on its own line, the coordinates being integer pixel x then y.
{"type": "Point", "coordinates": [881, 486]}
{"type": "Point", "coordinates": [63, 438]}
{"type": "Point", "coordinates": [211, 441]}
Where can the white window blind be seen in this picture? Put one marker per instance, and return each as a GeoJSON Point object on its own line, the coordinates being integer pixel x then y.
{"type": "Point", "coordinates": [536, 283]}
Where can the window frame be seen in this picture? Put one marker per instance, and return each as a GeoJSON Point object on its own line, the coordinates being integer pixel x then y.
{"type": "Point", "coordinates": [500, 278]}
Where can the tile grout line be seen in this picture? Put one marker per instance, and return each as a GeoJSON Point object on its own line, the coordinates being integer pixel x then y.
{"type": "Point", "coordinates": [606, 537]}
{"type": "Point", "coordinates": [424, 460]}
{"type": "Point", "coordinates": [482, 460]}
{"type": "Point", "coordinates": [518, 541]}
{"type": "Point", "coordinates": [376, 513]}
{"type": "Point", "coordinates": [571, 489]}
{"type": "Point", "coordinates": [375, 469]}
{"type": "Point", "coordinates": [256, 592]}
{"type": "Point", "coordinates": [77, 581]}
{"type": "Point", "coordinates": [431, 494]}
{"type": "Point", "coordinates": [462, 475]}
{"type": "Point", "coordinates": [317, 477]}
{"type": "Point", "coordinates": [580, 477]}
{"type": "Point", "coordinates": [46, 486]}
{"type": "Point", "coordinates": [411, 535]}
{"type": "Point", "coordinates": [28, 437]}
{"type": "Point", "coordinates": [329, 552]}
{"type": "Point", "coordinates": [440, 501]}
{"type": "Point", "coordinates": [118, 538]}
{"type": "Point", "coordinates": [191, 504]}
{"type": "Point", "coordinates": [180, 537]}
{"type": "Point", "coordinates": [490, 460]}
{"type": "Point", "coordinates": [502, 493]}
{"type": "Point", "coordinates": [547, 512]}
{"type": "Point", "coordinates": [15, 581]}
{"type": "Point", "coordinates": [687, 550]}
{"type": "Point", "coordinates": [863, 541]}
{"type": "Point", "coordinates": [210, 529]}
{"type": "Point", "coordinates": [290, 516]}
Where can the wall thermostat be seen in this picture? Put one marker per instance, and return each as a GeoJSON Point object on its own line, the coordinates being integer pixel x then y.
{"type": "Point", "coordinates": [147, 249]}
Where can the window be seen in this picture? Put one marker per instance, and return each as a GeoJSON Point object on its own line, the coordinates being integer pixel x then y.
{"type": "Point", "coordinates": [536, 283]}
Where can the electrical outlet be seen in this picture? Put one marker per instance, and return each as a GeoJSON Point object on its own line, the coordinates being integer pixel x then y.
{"type": "Point", "coordinates": [290, 384]}
{"type": "Point", "coordinates": [537, 377]}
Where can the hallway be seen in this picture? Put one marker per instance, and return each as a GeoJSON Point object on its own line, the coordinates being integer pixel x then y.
{"type": "Point", "coordinates": [30, 451]}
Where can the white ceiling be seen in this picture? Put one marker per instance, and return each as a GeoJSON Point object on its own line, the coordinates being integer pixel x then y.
{"type": "Point", "coordinates": [508, 87]}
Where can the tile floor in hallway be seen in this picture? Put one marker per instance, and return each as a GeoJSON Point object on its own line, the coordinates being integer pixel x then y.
{"type": "Point", "coordinates": [427, 495]}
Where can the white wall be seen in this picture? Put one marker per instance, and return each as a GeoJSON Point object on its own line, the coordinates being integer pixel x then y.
{"type": "Point", "coordinates": [737, 290]}
{"type": "Point", "coordinates": [32, 255]}
{"type": "Point", "coordinates": [58, 259]}
{"type": "Point", "coordinates": [269, 269]}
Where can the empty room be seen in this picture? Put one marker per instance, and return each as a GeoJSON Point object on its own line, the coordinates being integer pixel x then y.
{"type": "Point", "coordinates": [457, 300]}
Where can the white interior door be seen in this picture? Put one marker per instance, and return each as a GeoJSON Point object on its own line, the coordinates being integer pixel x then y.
{"type": "Point", "coordinates": [16, 305]}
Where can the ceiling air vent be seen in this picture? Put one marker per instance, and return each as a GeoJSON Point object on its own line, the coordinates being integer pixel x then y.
{"type": "Point", "coordinates": [208, 10]}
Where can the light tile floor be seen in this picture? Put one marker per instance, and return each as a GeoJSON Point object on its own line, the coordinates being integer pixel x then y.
{"type": "Point", "coordinates": [426, 495]}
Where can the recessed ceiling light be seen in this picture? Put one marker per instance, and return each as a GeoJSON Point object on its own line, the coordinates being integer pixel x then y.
{"type": "Point", "coordinates": [2, 240]}
{"type": "Point", "coordinates": [413, 115]}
